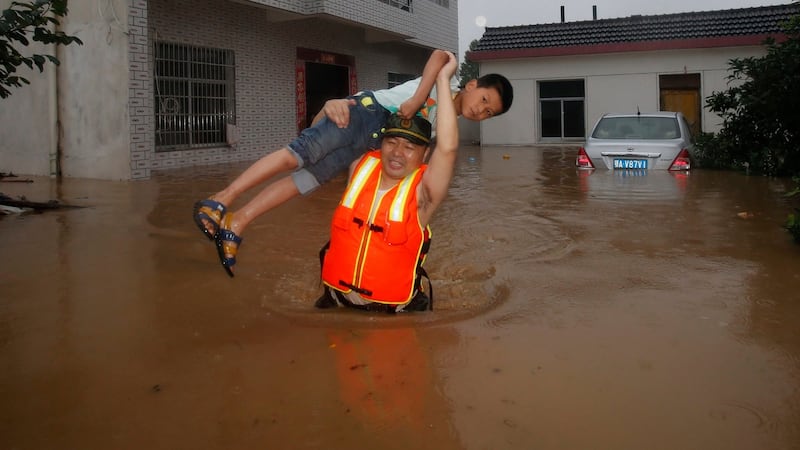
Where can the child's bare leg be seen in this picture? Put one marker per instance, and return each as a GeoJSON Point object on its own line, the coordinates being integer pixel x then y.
{"type": "Point", "coordinates": [260, 171]}
{"type": "Point", "coordinates": [271, 196]}
{"type": "Point", "coordinates": [207, 216]}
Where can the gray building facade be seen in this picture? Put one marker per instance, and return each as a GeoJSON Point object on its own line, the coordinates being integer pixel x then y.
{"type": "Point", "coordinates": [162, 84]}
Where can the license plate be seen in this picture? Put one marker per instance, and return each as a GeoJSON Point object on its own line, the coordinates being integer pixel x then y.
{"type": "Point", "coordinates": [630, 164]}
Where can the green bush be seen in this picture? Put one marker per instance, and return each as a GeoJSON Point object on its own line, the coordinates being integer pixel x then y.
{"type": "Point", "coordinates": [761, 122]}
{"type": "Point", "coordinates": [793, 225]}
{"type": "Point", "coordinates": [711, 152]}
{"type": "Point", "coordinates": [793, 221]}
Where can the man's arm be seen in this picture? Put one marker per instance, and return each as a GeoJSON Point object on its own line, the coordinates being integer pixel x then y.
{"type": "Point", "coordinates": [337, 110]}
{"type": "Point", "coordinates": [436, 179]}
{"type": "Point", "coordinates": [436, 61]}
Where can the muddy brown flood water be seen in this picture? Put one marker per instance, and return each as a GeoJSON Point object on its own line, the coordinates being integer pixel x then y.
{"type": "Point", "coordinates": [573, 311]}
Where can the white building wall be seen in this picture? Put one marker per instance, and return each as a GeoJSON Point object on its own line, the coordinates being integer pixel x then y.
{"type": "Point", "coordinates": [436, 26]}
{"type": "Point", "coordinates": [714, 81]}
{"type": "Point", "coordinates": [369, 12]}
{"type": "Point", "coordinates": [640, 91]}
{"type": "Point", "coordinates": [428, 23]}
{"type": "Point", "coordinates": [520, 118]}
{"type": "Point", "coordinates": [615, 82]}
{"type": "Point", "coordinates": [297, 6]}
{"type": "Point", "coordinates": [79, 107]}
{"type": "Point", "coordinates": [93, 92]}
{"type": "Point", "coordinates": [28, 146]}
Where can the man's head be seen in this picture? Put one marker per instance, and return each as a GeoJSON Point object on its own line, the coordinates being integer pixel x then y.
{"type": "Point", "coordinates": [404, 144]}
{"type": "Point", "coordinates": [485, 97]}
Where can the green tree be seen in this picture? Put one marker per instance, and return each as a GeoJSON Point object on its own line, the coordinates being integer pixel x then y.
{"type": "Point", "coordinates": [468, 69]}
{"type": "Point", "coordinates": [761, 121]}
{"type": "Point", "coordinates": [32, 20]}
{"type": "Point", "coordinates": [793, 221]}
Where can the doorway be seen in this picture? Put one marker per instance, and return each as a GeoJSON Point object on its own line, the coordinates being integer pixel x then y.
{"type": "Point", "coordinates": [321, 76]}
{"type": "Point", "coordinates": [681, 93]}
{"type": "Point", "coordinates": [324, 82]}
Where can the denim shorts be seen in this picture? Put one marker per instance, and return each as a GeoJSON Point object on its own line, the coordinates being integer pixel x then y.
{"type": "Point", "coordinates": [325, 150]}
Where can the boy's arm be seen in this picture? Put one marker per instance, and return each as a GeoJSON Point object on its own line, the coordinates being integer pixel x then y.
{"type": "Point", "coordinates": [338, 110]}
{"type": "Point", "coordinates": [436, 61]}
{"type": "Point", "coordinates": [436, 179]}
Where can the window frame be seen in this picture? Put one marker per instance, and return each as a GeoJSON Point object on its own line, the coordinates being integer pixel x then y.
{"type": "Point", "coordinates": [195, 96]}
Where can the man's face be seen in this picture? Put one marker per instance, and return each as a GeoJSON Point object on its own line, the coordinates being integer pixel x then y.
{"type": "Point", "coordinates": [400, 157]}
{"type": "Point", "coordinates": [480, 103]}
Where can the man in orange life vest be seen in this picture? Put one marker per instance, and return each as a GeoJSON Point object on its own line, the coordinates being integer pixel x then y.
{"type": "Point", "coordinates": [379, 231]}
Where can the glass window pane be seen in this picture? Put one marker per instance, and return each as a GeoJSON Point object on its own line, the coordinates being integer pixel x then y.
{"type": "Point", "coordinates": [573, 119]}
{"type": "Point", "coordinates": [561, 89]}
{"type": "Point", "coordinates": [551, 119]}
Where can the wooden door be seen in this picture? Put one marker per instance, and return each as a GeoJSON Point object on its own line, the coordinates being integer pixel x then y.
{"type": "Point", "coordinates": [686, 101]}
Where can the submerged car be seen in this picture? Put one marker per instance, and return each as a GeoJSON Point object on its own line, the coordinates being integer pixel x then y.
{"type": "Point", "coordinates": [639, 141]}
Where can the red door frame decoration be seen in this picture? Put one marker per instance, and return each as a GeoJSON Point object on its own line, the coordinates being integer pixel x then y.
{"type": "Point", "coordinates": [305, 55]}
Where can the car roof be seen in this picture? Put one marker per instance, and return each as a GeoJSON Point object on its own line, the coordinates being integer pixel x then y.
{"type": "Point", "coordinates": [644, 114]}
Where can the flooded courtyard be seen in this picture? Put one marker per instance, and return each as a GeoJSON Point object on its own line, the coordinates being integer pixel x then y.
{"type": "Point", "coordinates": [572, 310]}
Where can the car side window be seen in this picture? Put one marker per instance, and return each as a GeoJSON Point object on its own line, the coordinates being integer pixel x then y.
{"type": "Point", "coordinates": [688, 129]}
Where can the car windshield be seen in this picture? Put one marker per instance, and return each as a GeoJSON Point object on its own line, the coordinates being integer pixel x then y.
{"type": "Point", "coordinates": [637, 128]}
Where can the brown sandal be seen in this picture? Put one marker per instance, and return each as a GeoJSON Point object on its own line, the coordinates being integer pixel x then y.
{"type": "Point", "coordinates": [227, 244]}
{"type": "Point", "coordinates": [207, 215]}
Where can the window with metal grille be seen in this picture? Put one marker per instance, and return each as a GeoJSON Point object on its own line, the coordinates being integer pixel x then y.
{"type": "Point", "coordinates": [195, 96]}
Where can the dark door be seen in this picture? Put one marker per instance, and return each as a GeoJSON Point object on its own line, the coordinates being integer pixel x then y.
{"type": "Point", "coordinates": [324, 82]}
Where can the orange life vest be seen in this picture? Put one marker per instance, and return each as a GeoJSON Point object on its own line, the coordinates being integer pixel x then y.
{"type": "Point", "coordinates": [378, 259]}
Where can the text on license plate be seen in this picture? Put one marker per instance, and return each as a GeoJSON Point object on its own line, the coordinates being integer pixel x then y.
{"type": "Point", "coordinates": [630, 164]}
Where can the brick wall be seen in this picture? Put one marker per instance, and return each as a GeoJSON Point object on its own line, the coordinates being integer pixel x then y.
{"type": "Point", "coordinates": [265, 53]}
{"type": "Point", "coordinates": [140, 101]}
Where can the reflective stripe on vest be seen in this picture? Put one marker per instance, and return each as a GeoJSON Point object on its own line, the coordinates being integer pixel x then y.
{"type": "Point", "coordinates": [398, 208]}
{"type": "Point", "coordinates": [363, 171]}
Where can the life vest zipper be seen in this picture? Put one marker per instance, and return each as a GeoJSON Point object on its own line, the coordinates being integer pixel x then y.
{"type": "Point", "coordinates": [362, 257]}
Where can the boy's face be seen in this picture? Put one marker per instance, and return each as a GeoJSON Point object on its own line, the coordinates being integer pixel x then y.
{"type": "Point", "coordinates": [480, 103]}
{"type": "Point", "coordinates": [400, 157]}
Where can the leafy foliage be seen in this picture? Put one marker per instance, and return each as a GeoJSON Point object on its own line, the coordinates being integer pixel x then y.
{"type": "Point", "coordinates": [468, 70]}
{"type": "Point", "coordinates": [21, 23]}
{"type": "Point", "coordinates": [793, 225]}
{"type": "Point", "coordinates": [761, 123]}
{"type": "Point", "coordinates": [793, 221]}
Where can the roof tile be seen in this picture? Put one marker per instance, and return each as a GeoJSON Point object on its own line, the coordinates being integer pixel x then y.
{"type": "Point", "coordinates": [639, 28]}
